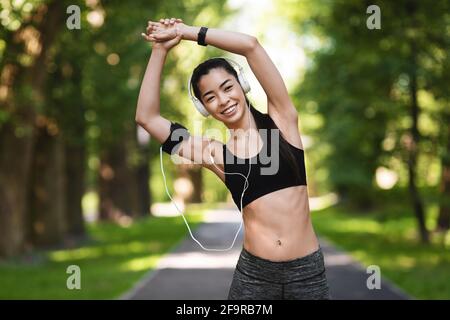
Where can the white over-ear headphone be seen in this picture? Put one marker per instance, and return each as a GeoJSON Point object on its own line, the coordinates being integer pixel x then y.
{"type": "Point", "coordinates": [242, 81]}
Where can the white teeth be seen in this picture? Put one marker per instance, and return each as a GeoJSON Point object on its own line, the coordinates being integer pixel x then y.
{"type": "Point", "coordinates": [229, 110]}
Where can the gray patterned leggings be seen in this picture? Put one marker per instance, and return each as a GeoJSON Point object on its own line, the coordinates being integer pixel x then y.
{"type": "Point", "coordinates": [256, 278]}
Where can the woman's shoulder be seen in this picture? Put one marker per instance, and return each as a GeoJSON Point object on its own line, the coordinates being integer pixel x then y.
{"type": "Point", "coordinates": [289, 129]}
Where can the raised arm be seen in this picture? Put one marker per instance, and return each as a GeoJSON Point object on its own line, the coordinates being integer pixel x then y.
{"type": "Point", "coordinates": [279, 103]}
{"type": "Point", "coordinates": [259, 61]}
{"type": "Point", "coordinates": [148, 109]}
{"type": "Point", "coordinates": [148, 105]}
{"type": "Point", "coordinates": [235, 42]}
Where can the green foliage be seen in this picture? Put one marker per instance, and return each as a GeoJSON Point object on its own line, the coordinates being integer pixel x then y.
{"type": "Point", "coordinates": [112, 261]}
{"type": "Point", "coordinates": [387, 237]}
{"type": "Point", "coordinates": [358, 84]}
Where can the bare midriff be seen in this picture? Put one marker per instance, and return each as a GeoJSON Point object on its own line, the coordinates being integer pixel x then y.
{"type": "Point", "coordinates": [278, 225]}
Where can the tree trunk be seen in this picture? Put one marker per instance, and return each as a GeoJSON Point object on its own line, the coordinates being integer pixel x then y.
{"type": "Point", "coordinates": [413, 151]}
{"type": "Point", "coordinates": [47, 213]}
{"type": "Point", "coordinates": [443, 223]}
{"type": "Point", "coordinates": [143, 179]}
{"type": "Point", "coordinates": [107, 174]}
{"type": "Point", "coordinates": [196, 177]}
{"type": "Point", "coordinates": [192, 190]}
{"type": "Point", "coordinates": [75, 169]}
{"type": "Point", "coordinates": [15, 155]}
{"type": "Point", "coordinates": [118, 183]}
{"type": "Point", "coordinates": [16, 136]}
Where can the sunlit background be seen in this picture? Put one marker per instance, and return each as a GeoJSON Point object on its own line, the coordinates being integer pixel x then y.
{"type": "Point", "coordinates": [80, 182]}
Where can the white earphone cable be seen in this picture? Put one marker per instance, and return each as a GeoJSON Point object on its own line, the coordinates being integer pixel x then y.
{"type": "Point", "coordinates": [246, 184]}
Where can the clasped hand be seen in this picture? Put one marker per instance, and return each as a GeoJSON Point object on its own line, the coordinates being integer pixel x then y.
{"type": "Point", "coordinates": [164, 34]}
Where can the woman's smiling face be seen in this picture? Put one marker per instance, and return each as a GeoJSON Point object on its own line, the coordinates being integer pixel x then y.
{"type": "Point", "coordinates": [222, 95]}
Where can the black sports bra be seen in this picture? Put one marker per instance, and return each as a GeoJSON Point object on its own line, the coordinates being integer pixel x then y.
{"type": "Point", "coordinates": [261, 184]}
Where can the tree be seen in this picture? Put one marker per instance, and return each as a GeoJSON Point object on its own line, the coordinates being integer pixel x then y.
{"type": "Point", "coordinates": [23, 77]}
{"type": "Point", "coordinates": [367, 83]}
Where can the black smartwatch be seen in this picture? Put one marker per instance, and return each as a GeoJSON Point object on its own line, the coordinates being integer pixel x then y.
{"type": "Point", "coordinates": [201, 36]}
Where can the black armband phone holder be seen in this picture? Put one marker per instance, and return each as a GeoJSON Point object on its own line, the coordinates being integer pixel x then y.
{"type": "Point", "coordinates": [178, 133]}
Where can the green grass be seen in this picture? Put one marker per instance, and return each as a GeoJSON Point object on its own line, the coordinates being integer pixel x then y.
{"type": "Point", "coordinates": [112, 261]}
{"type": "Point", "coordinates": [388, 238]}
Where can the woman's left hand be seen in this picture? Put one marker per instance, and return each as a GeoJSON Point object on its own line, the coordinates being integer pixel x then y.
{"type": "Point", "coordinates": [164, 30]}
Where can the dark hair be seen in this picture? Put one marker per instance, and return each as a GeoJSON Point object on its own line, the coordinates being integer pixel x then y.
{"type": "Point", "coordinates": [263, 121]}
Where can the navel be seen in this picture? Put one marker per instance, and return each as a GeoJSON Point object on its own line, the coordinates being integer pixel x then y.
{"type": "Point", "coordinates": [279, 242]}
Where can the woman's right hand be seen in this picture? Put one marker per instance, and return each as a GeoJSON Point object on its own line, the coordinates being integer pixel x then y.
{"type": "Point", "coordinates": [164, 34]}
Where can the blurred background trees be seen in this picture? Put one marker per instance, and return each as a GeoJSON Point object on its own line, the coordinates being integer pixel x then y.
{"type": "Point", "coordinates": [67, 115]}
{"type": "Point", "coordinates": [380, 96]}
{"type": "Point", "coordinates": [373, 108]}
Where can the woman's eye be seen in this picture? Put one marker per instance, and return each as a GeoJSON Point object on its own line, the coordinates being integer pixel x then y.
{"type": "Point", "coordinates": [226, 89]}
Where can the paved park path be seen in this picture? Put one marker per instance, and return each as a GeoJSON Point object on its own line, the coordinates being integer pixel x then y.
{"type": "Point", "coordinates": [189, 273]}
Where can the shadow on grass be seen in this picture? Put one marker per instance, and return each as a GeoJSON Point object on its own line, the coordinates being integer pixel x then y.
{"type": "Point", "coordinates": [114, 259]}
{"type": "Point", "coordinates": [388, 238]}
